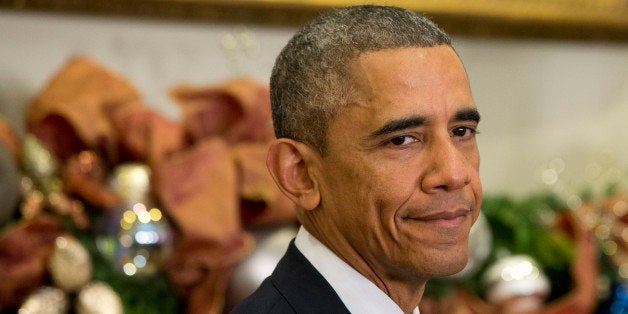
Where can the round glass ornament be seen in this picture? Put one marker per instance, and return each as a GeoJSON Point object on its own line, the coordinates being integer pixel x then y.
{"type": "Point", "coordinates": [135, 236]}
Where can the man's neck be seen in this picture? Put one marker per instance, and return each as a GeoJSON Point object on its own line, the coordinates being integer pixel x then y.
{"type": "Point", "coordinates": [405, 294]}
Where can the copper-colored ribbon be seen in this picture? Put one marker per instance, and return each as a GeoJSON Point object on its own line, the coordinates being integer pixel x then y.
{"type": "Point", "coordinates": [24, 251]}
{"type": "Point", "coordinates": [208, 169]}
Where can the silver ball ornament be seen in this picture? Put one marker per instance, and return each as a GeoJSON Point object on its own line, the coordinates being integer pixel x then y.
{"type": "Point", "coordinates": [516, 276]}
{"type": "Point", "coordinates": [249, 273]}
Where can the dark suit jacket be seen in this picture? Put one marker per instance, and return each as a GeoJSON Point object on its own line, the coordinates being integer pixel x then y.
{"type": "Point", "coordinates": [295, 286]}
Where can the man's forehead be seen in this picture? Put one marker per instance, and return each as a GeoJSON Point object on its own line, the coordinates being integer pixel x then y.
{"type": "Point", "coordinates": [408, 66]}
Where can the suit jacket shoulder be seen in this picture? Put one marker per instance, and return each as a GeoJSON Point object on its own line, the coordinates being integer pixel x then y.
{"type": "Point", "coordinates": [295, 286]}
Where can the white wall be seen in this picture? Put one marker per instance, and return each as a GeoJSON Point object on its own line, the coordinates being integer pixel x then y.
{"type": "Point", "coordinates": [547, 100]}
{"type": "Point", "coordinates": [540, 100]}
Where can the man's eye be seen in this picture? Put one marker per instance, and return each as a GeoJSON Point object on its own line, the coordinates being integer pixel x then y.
{"type": "Point", "coordinates": [402, 140]}
{"type": "Point", "coordinates": [463, 131]}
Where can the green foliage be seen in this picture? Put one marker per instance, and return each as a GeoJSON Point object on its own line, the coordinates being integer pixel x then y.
{"type": "Point", "coordinates": [141, 295]}
{"type": "Point", "coordinates": [526, 227]}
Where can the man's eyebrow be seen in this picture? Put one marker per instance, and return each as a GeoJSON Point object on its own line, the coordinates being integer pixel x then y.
{"type": "Point", "coordinates": [399, 124]}
{"type": "Point", "coordinates": [467, 114]}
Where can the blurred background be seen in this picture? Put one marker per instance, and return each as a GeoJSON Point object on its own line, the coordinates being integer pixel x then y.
{"type": "Point", "coordinates": [551, 82]}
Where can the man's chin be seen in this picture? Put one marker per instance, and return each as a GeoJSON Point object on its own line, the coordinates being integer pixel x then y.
{"type": "Point", "coordinates": [448, 266]}
{"type": "Point", "coordinates": [454, 269]}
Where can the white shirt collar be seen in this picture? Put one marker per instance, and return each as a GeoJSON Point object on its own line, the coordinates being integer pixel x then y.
{"type": "Point", "coordinates": [359, 294]}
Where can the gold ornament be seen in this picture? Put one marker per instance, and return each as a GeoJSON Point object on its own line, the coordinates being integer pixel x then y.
{"type": "Point", "coordinates": [132, 182]}
{"type": "Point", "coordinates": [46, 300]}
{"type": "Point", "coordinates": [43, 188]}
{"type": "Point", "coordinates": [70, 265]}
{"type": "Point", "coordinates": [98, 298]}
{"type": "Point", "coordinates": [38, 161]}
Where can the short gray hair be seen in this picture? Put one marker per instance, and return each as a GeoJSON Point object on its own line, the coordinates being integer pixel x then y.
{"type": "Point", "coordinates": [309, 82]}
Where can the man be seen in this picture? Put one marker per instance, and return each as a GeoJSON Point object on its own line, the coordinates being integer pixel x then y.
{"type": "Point", "coordinates": [376, 146]}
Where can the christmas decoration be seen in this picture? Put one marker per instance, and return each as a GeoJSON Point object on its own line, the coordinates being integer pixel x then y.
{"type": "Point", "coordinates": [619, 300]}
{"type": "Point", "coordinates": [136, 238]}
{"type": "Point", "coordinates": [516, 284]}
{"type": "Point", "coordinates": [260, 263]}
{"type": "Point", "coordinates": [541, 228]}
{"type": "Point", "coordinates": [612, 232]}
{"type": "Point", "coordinates": [46, 300]}
{"type": "Point", "coordinates": [70, 265]}
{"type": "Point", "coordinates": [42, 187]}
{"type": "Point", "coordinates": [25, 247]}
{"type": "Point", "coordinates": [98, 298]}
{"type": "Point", "coordinates": [114, 198]}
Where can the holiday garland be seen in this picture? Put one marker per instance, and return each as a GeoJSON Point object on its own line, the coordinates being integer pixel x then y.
{"type": "Point", "coordinates": [537, 226]}
{"type": "Point", "coordinates": [528, 225]}
{"type": "Point", "coordinates": [58, 201]}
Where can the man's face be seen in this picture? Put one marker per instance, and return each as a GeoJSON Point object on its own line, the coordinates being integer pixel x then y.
{"type": "Point", "coordinates": [400, 177]}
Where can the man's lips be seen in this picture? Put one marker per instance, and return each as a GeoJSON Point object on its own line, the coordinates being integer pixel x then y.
{"type": "Point", "coordinates": [444, 215]}
{"type": "Point", "coordinates": [444, 218]}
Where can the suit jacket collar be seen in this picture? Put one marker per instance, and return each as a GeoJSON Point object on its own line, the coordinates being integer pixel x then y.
{"type": "Point", "coordinates": [303, 286]}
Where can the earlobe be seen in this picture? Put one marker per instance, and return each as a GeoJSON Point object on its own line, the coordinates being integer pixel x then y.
{"type": "Point", "coordinates": [289, 163]}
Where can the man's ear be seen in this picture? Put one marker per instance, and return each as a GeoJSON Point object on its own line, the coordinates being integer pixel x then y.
{"type": "Point", "coordinates": [289, 162]}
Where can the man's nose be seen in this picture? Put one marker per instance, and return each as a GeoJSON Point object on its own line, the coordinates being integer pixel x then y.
{"type": "Point", "coordinates": [449, 168]}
